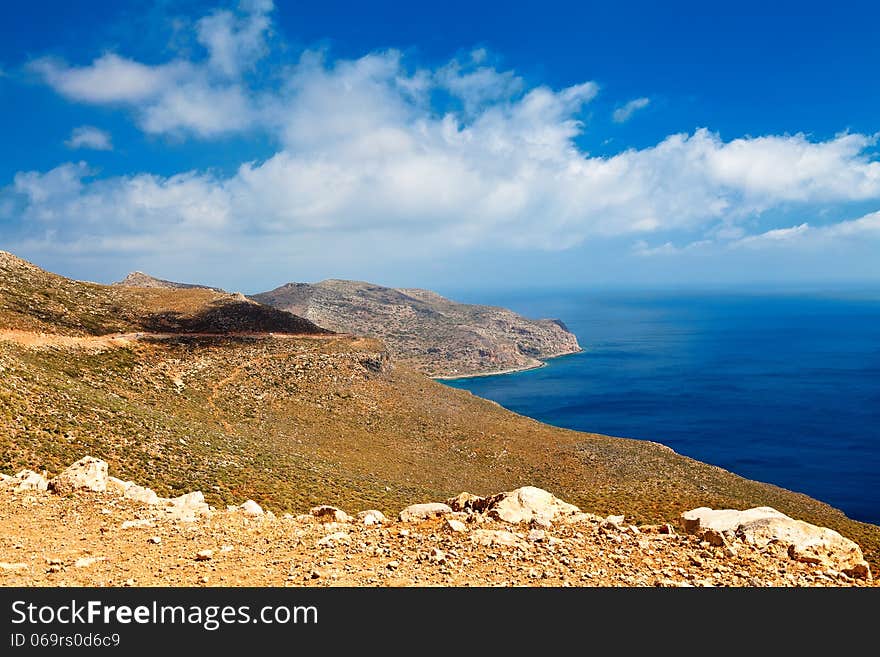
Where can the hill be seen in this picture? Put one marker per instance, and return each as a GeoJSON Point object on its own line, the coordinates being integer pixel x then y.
{"type": "Point", "coordinates": [140, 279]}
{"type": "Point", "coordinates": [32, 299]}
{"type": "Point", "coordinates": [437, 336]}
{"type": "Point", "coordinates": [294, 420]}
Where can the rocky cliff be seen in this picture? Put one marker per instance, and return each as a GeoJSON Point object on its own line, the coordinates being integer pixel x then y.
{"type": "Point", "coordinates": [438, 336]}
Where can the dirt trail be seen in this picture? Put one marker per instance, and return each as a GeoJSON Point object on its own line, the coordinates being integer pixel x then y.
{"type": "Point", "coordinates": [38, 340]}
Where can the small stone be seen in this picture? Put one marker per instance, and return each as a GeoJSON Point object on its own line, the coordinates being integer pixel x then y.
{"type": "Point", "coordinates": [140, 522]}
{"type": "Point", "coordinates": [336, 538]}
{"type": "Point", "coordinates": [454, 525]}
{"type": "Point", "coordinates": [537, 535]}
{"type": "Point", "coordinates": [251, 508]}
{"type": "Point", "coordinates": [372, 517]}
{"type": "Point", "coordinates": [204, 555]}
{"type": "Point", "coordinates": [85, 562]}
{"type": "Point", "coordinates": [13, 566]}
{"type": "Point", "coordinates": [436, 555]}
{"type": "Point", "coordinates": [155, 540]}
{"type": "Point", "coordinates": [392, 565]}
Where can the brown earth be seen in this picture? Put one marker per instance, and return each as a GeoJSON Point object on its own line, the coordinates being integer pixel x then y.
{"type": "Point", "coordinates": [80, 540]}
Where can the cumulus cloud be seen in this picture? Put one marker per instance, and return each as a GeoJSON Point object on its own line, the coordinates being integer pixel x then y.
{"type": "Point", "coordinates": [205, 97]}
{"type": "Point", "coordinates": [87, 136]}
{"type": "Point", "coordinates": [364, 148]}
{"type": "Point", "coordinates": [624, 113]}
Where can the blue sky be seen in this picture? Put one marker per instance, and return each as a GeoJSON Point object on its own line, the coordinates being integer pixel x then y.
{"type": "Point", "coordinates": [508, 145]}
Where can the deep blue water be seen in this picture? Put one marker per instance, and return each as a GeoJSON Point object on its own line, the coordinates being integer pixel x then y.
{"type": "Point", "coordinates": [783, 389]}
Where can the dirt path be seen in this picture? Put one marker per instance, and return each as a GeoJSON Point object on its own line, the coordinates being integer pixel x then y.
{"type": "Point", "coordinates": [39, 340]}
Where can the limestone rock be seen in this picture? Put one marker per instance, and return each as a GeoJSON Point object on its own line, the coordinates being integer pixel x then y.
{"type": "Point", "coordinates": [526, 504]}
{"type": "Point", "coordinates": [722, 520]}
{"type": "Point", "coordinates": [140, 522]}
{"type": "Point", "coordinates": [467, 502]}
{"type": "Point", "coordinates": [187, 507]}
{"type": "Point", "coordinates": [25, 480]}
{"type": "Point", "coordinates": [762, 525]}
{"type": "Point", "coordinates": [251, 508]}
{"type": "Point", "coordinates": [204, 555]}
{"type": "Point", "coordinates": [85, 562]}
{"type": "Point", "coordinates": [456, 526]}
{"type": "Point", "coordinates": [326, 513]}
{"type": "Point", "coordinates": [372, 517]}
{"type": "Point", "coordinates": [489, 537]}
{"type": "Point", "coordinates": [141, 494]}
{"type": "Point", "coordinates": [88, 473]}
{"type": "Point", "coordinates": [416, 512]}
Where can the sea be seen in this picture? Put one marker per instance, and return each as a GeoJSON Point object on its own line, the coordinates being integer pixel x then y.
{"type": "Point", "coordinates": [781, 388]}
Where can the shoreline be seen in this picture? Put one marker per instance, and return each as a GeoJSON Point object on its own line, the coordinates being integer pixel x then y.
{"type": "Point", "coordinates": [513, 370]}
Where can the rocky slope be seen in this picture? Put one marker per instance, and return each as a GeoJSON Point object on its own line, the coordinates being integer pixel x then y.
{"type": "Point", "coordinates": [99, 531]}
{"type": "Point", "coordinates": [35, 300]}
{"type": "Point", "coordinates": [292, 421]}
{"type": "Point", "coordinates": [437, 336]}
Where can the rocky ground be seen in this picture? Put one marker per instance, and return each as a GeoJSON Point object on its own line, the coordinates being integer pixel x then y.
{"type": "Point", "coordinates": [120, 536]}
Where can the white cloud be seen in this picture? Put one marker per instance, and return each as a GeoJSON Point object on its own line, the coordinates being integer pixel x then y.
{"type": "Point", "coordinates": [87, 136]}
{"type": "Point", "coordinates": [624, 113]}
{"type": "Point", "coordinates": [205, 97]}
{"type": "Point", "coordinates": [363, 150]}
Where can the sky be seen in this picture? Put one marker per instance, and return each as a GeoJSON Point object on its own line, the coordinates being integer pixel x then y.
{"type": "Point", "coordinates": [444, 145]}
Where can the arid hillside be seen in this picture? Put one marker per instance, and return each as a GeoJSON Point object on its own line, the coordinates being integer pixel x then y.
{"type": "Point", "coordinates": [435, 335]}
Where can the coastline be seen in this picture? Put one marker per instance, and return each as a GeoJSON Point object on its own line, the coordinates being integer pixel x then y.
{"type": "Point", "coordinates": [513, 370]}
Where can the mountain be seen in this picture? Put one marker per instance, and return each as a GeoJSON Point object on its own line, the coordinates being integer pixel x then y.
{"type": "Point", "coordinates": [243, 409]}
{"type": "Point", "coordinates": [437, 336]}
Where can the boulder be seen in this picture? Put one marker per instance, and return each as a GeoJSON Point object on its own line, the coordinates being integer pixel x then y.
{"type": "Point", "coordinates": [88, 473]}
{"type": "Point", "coordinates": [526, 504]}
{"type": "Point", "coordinates": [141, 494]}
{"type": "Point", "coordinates": [326, 513]}
{"type": "Point", "coordinates": [805, 542]}
{"type": "Point", "coordinates": [416, 512]}
{"type": "Point", "coordinates": [25, 480]}
{"type": "Point", "coordinates": [372, 517]}
{"type": "Point", "coordinates": [251, 508]}
{"type": "Point", "coordinates": [722, 520]}
{"type": "Point", "coordinates": [187, 507]}
{"type": "Point", "coordinates": [467, 502]}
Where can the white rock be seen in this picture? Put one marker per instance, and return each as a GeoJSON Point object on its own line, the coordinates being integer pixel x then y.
{"type": "Point", "coordinates": [85, 562]}
{"type": "Point", "coordinates": [336, 538]}
{"type": "Point", "coordinates": [372, 517]}
{"type": "Point", "coordinates": [251, 508]}
{"type": "Point", "coordinates": [526, 504]}
{"type": "Point", "coordinates": [187, 507]}
{"type": "Point", "coordinates": [25, 480]}
{"type": "Point", "coordinates": [13, 566]}
{"type": "Point", "coordinates": [142, 494]}
{"type": "Point", "coordinates": [724, 519]}
{"type": "Point", "coordinates": [416, 512]}
{"type": "Point", "coordinates": [805, 542]}
{"type": "Point", "coordinates": [489, 537]}
{"type": "Point", "coordinates": [135, 524]}
{"type": "Point", "coordinates": [88, 473]}
{"type": "Point", "coordinates": [457, 526]}
{"type": "Point", "coordinates": [327, 513]}
{"type": "Point", "coordinates": [204, 555]}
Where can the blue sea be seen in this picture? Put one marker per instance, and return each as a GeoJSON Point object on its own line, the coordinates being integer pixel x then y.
{"type": "Point", "coordinates": [780, 388]}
